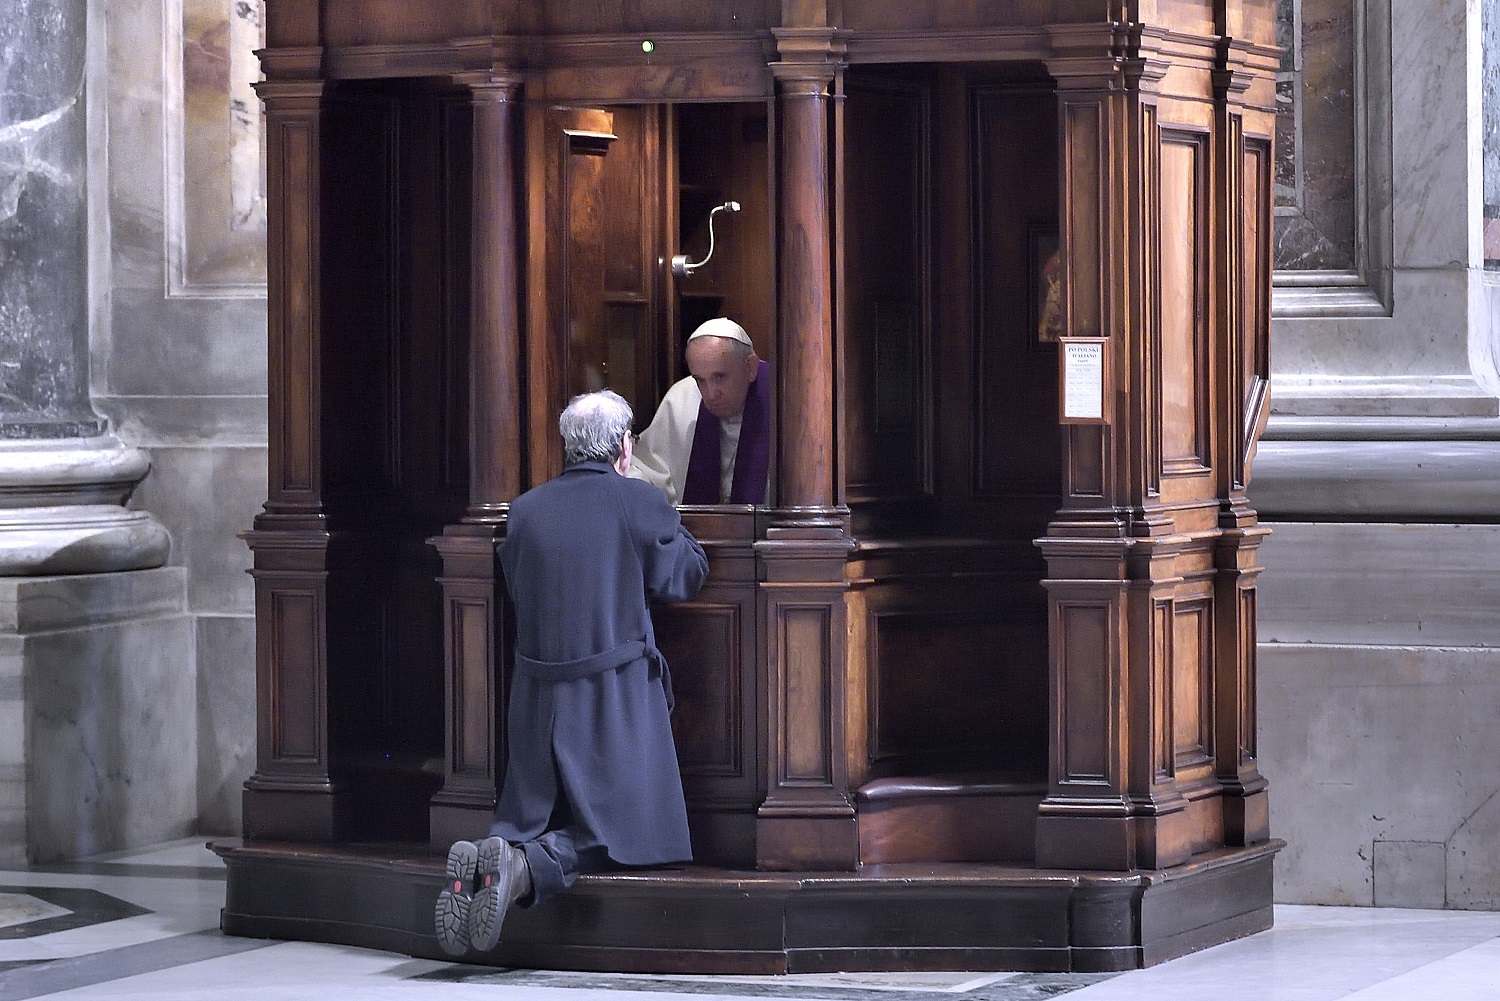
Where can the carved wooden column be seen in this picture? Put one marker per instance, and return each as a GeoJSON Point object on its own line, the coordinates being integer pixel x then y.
{"type": "Point", "coordinates": [1112, 556]}
{"type": "Point", "coordinates": [807, 818]}
{"type": "Point", "coordinates": [475, 640]}
{"type": "Point", "coordinates": [1244, 119]}
{"type": "Point", "coordinates": [292, 793]}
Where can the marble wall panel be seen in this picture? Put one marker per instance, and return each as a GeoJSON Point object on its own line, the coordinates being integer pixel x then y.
{"type": "Point", "coordinates": [1317, 223]}
{"type": "Point", "coordinates": [1367, 744]}
{"type": "Point", "coordinates": [226, 718]}
{"type": "Point", "coordinates": [180, 361]}
{"type": "Point", "coordinates": [173, 347]}
{"type": "Point", "coordinates": [1473, 878]}
{"type": "Point", "coordinates": [224, 421]}
{"type": "Point", "coordinates": [206, 496]}
{"type": "Point", "coordinates": [12, 750]}
{"type": "Point", "coordinates": [1490, 48]}
{"type": "Point", "coordinates": [1431, 75]}
{"type": "Point", "coordinates": [1426, 335]}
{"type": "Point", "coordinates": [109, 720]}
{"type": "Point", "coordinates": [132, 145]}
{"type": "Point", "coordinates": [216, 207]}
{"type": "Point", "coordinates": [1397, 585]}
{"type": "Point", "coordinates": [1410, 873]}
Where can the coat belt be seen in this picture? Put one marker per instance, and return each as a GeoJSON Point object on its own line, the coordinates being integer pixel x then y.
{"type": "Point", "coordinates": [598, 663]}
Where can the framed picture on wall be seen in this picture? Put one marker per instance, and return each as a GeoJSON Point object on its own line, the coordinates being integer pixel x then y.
{"type": "Point", "coordinates": [1044, 283]}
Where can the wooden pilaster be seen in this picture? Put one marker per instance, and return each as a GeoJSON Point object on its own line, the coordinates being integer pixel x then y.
{"type": "Point", "coordinates": [292, 793]}
{"type": "Point", "coordinates": [1112, 555]}
{"type": "Point", "coordinates": [1242, 181]}
{"type": "Point", "coordinates": [474, 635]}
{"type": "Point", "coordinates": [807, 818]}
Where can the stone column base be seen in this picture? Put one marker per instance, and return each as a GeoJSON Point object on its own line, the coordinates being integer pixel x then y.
{"type": "Point", "coordinates": [98, 678]}
{"type": "Point", "coordinates": [88, 538]}
{"type": "Point", "coordinates": [62, 508]}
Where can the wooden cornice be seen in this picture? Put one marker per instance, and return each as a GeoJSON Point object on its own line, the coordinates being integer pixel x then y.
{"type": "Point", "coordinates": [956, 45]}
{"type": "Point", "coordinates": [1238, 64]}
{"type": "Point", "coordinates": [666, 48]}
{"type": "Point", "coordinates": [291, 62]}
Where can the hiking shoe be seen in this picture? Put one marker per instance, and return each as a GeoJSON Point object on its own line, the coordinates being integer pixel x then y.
{"type": "Point", "coordinates": [502, 878]}
{"type": "Point", "coordinates": [454, 903]}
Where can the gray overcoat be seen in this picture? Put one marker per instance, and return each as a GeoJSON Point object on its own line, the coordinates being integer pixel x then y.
{"type": "Point", "coordinates": [590, 693]}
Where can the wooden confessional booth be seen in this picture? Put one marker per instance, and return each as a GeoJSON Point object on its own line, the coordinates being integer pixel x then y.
{"type": "Point", "coordinates": [976, 689]}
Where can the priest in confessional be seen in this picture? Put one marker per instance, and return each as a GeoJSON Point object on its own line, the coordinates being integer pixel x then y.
{"type": "Point", "coordinates": [710, 441]}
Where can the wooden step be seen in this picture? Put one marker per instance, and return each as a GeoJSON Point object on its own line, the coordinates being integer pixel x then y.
{"type": "Point", "coordinates": [960, 817]}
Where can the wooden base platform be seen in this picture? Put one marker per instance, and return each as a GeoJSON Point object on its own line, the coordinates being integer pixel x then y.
{"type": "Point", "coordinates": [955, 916]}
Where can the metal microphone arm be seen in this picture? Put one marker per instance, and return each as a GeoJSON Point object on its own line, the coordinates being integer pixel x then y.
{"type": "Point", "coordinates": [681, 266]}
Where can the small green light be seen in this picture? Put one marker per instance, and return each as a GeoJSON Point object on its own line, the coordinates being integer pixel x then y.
{"type": "Point", "coordinates": [647, 45]}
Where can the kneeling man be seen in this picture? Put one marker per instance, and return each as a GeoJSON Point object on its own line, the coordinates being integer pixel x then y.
{"type": "Point", "coordinates": [592, 779]}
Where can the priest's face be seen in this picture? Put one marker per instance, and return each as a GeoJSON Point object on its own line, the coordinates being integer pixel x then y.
{"type": "Point", "coordinates": [722, 373]}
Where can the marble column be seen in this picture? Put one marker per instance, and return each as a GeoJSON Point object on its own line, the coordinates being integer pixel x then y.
{"type": "Point", "coordinates": [64, 477]}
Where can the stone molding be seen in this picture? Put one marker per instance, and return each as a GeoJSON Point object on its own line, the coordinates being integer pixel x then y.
{"type": "Point", "coordinates": [1343, 478]}
{"type": "Point", "coordinates": [62, 508]}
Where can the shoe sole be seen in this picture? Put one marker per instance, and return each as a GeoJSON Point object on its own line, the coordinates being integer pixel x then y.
{"type": "Point", "coordinates": [451, 915]}
{"type": "Point", "coordinates": [487, 911]}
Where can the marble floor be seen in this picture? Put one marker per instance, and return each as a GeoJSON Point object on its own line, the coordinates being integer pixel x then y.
{"type": "Point", "coordinates": [144, 924]}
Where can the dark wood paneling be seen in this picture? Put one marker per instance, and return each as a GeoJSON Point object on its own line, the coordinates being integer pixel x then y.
{"type": "Point", "coordinates": [389, 432]}
{"type": "Point", "coordinates": [609, 17]}
{"type": "Point", "coordinates": [565, 149]}
{"type": "Point", "coordinates": [349, 21]}
{"type": "Point", "coordinates": [1185, 373]}
{"type": "Point", "coordinates": [711, 647]}
{"type": "Point", "coordinates": [1159, 698]}
{"type": "Point", "coordinates": [1256, 267]}
{"type": "Point", "coordinates": [292, 181]}
{"type": "Point", "coordinates": [1017, 450]}
{"type": "Point", "coordinates": [1192, 688]}
{"type": "Point", "coordinates": [631, 338]}
{"type": "Point", "coordinates": [958, 691]}
{"type": "Point", "coordinates": [723, 154]}
{"type": "Point", "coordinates": [805, 648]}
{"type": "Point", "coordinates": [296, 732]}
{"type": "Point", "coordinates": [1083, 128]}
{"type": "Point", "coordinates": [1086, 654]}
{"type": "Point", "coordinates": [966, 817]}
{"type": "Point", "coordinates": [886, 350]}
{"type": "Point", "coordinates": [703, 640]}
{"type": "Point", "coordinates": [385, 245]}
{"type": "Point", "coordinates": [471, 748]}
{"type": "Point", "coordinates": [359, 300]}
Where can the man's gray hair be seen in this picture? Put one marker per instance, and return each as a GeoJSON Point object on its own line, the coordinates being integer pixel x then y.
{"type": "Point", "coordinates": [593, 427]}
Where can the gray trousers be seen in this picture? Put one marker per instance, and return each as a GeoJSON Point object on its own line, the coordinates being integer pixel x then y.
{"type": "Point", "coordinates": [563, 852]}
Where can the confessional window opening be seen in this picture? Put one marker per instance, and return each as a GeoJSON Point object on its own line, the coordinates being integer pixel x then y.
{"type": "Point", "coordinates": [626, 189]}
{"type": "Point", "coordinates": [722, 161]}
{"type": "Point", "coordinates": [635, 187]}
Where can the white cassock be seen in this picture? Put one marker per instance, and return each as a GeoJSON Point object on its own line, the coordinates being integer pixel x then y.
{"type": "Point", "coordinates": [663, 450]}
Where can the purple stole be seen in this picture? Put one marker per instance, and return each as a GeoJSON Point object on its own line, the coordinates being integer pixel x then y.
{"type": "Point", "coordinates": [751, 461]}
